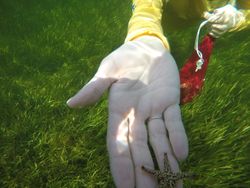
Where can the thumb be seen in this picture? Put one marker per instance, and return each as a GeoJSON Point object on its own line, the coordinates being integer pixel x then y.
{"type": "Point", "coordinates": [90, 93]}
{"type": "Point", "coordinates": [207, 15]}
{"type": "Point", "coordinates": [94, 89]}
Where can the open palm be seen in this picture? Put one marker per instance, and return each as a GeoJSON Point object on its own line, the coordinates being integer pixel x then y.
{"type": "Point", "coordinates": [143, 104]}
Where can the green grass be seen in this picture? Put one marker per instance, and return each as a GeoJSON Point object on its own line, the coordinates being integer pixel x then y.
{"type": "Point", "coordinates": [49, 49]}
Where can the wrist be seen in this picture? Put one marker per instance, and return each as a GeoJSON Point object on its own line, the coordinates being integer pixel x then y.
{"type": "Point", "coordinates": [239, 21]}
{"type": "Point", "coordinates": [146, 20]}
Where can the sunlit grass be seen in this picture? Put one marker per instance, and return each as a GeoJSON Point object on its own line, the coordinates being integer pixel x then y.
{"type": "Point", "coordinates": [49, 50]}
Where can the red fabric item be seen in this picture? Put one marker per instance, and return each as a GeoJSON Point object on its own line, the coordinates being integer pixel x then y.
{"type": "Point", "coordinates": [191, 81]}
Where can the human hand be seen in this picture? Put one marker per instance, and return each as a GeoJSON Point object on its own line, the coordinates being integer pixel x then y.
{"type": "Point", "coordinates": [143, 102]}
{"type": "Point", "coordinates": [224, 19]}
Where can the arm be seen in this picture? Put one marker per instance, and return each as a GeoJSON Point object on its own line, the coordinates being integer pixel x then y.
{"type": "Point", "coordinates": [146, 20]}
{"type": "Point", "coordinates": [143, 81]}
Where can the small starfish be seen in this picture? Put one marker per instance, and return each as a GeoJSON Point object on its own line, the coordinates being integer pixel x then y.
{"type": "Point", "coordinates": [166, 178]}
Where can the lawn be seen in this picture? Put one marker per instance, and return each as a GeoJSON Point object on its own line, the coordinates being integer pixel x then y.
{"type": "Point", "coordinates": [49, 49]}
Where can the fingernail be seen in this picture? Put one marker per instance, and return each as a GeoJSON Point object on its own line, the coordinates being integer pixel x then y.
{"type": "Point", "coordinates": [68, 101]}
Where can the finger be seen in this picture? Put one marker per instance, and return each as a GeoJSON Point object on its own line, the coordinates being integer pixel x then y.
{"type": "Point", "coordinates": [160, 144]}
{"type": "Point", "coordinates": [217, 30]}
{"type": "Point", "coordinates": [118, 147]}
{"type": "Point", "coordinates": [176, 131]}
{"type": "Point", "coordinates": [219, 20]}
{"type": "Point", "coordinates": [215, 18]}
{"type": "Point", "coordinates": [141, 154]}
{"type": "Point", "coordinates": [94, 89]}
{"type": "Point", "coordinates": [216, 33]}
{"type": "Point", "coordinates": [219, 27]}
{"type": "Point", "coordinates": [90, 93]}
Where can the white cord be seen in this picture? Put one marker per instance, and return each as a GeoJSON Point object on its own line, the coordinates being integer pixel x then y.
{"type": "Point", "coordinates": [200, 62]}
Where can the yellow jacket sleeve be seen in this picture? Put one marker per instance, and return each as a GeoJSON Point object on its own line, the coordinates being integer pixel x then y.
{"type": "Point", "coordinates": [244, 7]}
{"type": "Point", "coordinates": [146, 20]}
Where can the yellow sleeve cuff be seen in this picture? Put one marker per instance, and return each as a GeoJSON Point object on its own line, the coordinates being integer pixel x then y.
{"type": "Point", "coordinates": [245, 22]}
{"type": "Point", "coordinates": [146, 20]}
